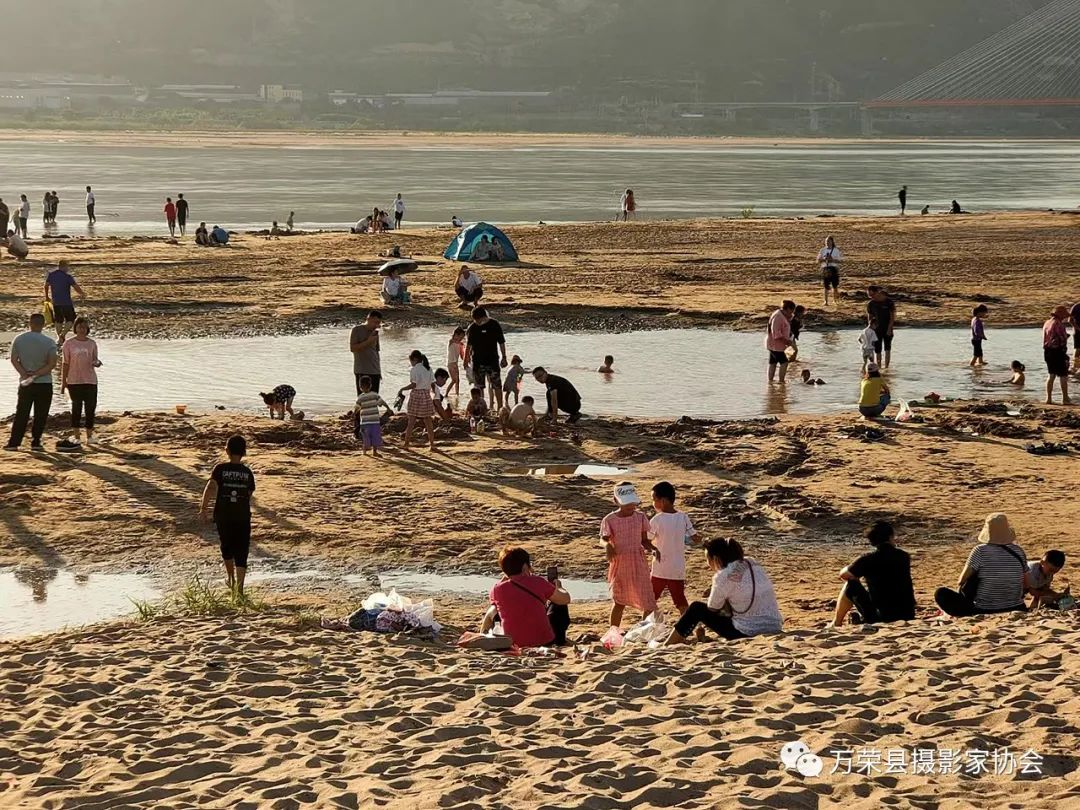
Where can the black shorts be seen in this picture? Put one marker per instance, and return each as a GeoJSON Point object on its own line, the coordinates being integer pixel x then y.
{"type": "Point", "coordinates": [235, 537]}
{"type": "Point", "coordinates": [1057, 361]}
{"type": "Point", "coordinates": [831, 277]}
{"type": "Point", "coordinates": [883, 342]}
{"type": "Point", "coordinates": [778, 358]}
{"type": "Point", "coordinates": [63, 314]}
{"type": "Point", "coordinates": [976, 349]}
{"type": "Point", "coordinates": [487, 374]}
{"type": "Point", "coordinates": [397, 216]}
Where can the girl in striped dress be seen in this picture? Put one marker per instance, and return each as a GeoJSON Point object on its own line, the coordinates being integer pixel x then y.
{"type": "Point", "coordinates": [421, 386]}
{"type": "Point", "coordinates": [625, 533]}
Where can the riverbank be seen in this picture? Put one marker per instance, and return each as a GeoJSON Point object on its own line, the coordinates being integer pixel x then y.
{"type": "Point", "coordinates": [588, 276]}
{"type": "Point", "coordinates": [269, 708]}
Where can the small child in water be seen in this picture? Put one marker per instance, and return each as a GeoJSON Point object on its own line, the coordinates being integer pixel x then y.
{"type": "Point", "coordinates": [978, 335]}
{"type": "Point", "coordinates": [512, 383]}
{"type": "Point", "coordinates": [1018, 370]}
{"type": "Point", "coordinates": [608, 366]}
{"type": "Point", "coordinates": [280, 400]}
{"type": "Point", "coordinates": [866, 340]}
{"type": "Point", "coordinates": [808, 378]}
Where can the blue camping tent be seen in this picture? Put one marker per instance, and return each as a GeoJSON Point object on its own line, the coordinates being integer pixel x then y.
{"type": "Point", "coordinates": [461, 249]}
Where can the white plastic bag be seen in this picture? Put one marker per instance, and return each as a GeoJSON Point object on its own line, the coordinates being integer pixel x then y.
{"type": "Point", "coordinates": [422, 612]}
{"type": "Point", "coordinates": [651, 629]}
{"type": "Point", "coordinates": [905, 413]}
{"type": "Point", "coordinates": [613, 639]}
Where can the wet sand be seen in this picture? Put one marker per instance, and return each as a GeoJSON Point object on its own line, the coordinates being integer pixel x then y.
{"type": "Point", "coordinates": [596, 277]}
{"type": "Point", "coordinates": [270, 711]}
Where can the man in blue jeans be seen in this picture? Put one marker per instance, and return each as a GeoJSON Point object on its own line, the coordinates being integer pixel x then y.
{"type": "Point", "coordinates": [34, 356]}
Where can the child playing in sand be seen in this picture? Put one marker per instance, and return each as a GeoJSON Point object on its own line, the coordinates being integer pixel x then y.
{"type": "Point", "coordinates": [477, 408]}
{"type": "Point", "coordinates": [671, 532]}
{"type": "Point", "coordinates": [455, 353]}
{"type": "Point", "coordinates": [512, 384]}
{"type": "Point", "coordinates": [625, 533]}
{"type": "Point", "coordinates": [608, 366]}
{"type": "Point", "coordinates": [438, 397]}
{"type": "Point", "coordinates": [521, 420]}
{"type": "Point", "coordinates": [1039, 577]}
{"type": "Point", "coordinates": [866, 340]}
{"type": "Point", "coordinates": [978, 335]}
{"type": "Point", "coordinates": [1018, 370]}
{"type": "Point", "coordinates": [279, 401]}
{"type": "Point", "coordinates": [367, 424]}
{"type": "Point", "coordinates": [231, 486]}
{"type": "Point", "coordinates": [796, 330]}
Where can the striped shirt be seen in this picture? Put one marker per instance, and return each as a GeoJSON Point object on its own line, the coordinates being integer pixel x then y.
{"type": "Point", "coordinates": [1001, 575]}
{"type": "Point", "coordinates": [367, 407]}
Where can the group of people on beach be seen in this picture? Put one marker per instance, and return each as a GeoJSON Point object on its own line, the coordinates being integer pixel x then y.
{"type": "Point", "coordinates": [380, 221]}
{"type": "Point", "coordinates": [647, 558]}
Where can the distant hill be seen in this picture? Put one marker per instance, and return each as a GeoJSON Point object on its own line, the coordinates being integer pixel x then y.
{"type": "Point", "coordinates": [676, 50]}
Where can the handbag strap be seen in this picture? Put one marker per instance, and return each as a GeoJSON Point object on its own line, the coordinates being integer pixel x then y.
{"type": "Point", "coordinates": [753, 592]}
{"type": "Point", "coordinates": [1018, 558]}
{"type": "Point", "coordinates": [530, 593]}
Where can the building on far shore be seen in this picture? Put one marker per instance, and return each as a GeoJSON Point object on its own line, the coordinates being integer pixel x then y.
{"type": "Point", "coordinates": [475, 99]}
{"type": "Point", "coordinates": [278, 93]}
{"type": "Point", "coordinates": [20, 91]}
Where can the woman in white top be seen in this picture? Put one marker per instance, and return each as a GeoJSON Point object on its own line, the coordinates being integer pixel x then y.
{"type": "Point", "coordinates": [395, 289]}
{"type": "Point", "coordinates": [742, 602]}
{"type": "Point", "coordinates": [829, 257]}
{"type": "Point", "coordinates": [422, 386]}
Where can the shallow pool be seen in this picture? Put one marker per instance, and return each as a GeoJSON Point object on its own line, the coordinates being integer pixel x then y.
{"type": "Point", "coordinates": [693, 372]}
{"type": "Point", "coordinates": [37, 600]}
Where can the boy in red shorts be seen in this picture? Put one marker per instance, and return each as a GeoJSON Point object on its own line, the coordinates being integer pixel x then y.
{"type": "Point", "coordinates": [671, 532]}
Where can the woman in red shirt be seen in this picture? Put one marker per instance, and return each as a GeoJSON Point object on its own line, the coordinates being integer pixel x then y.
{"type": "Point", "coordinates": [521, 598]}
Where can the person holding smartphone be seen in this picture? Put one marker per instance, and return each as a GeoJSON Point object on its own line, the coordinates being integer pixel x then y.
{"type": "Point", "coordinates": [521, 599]}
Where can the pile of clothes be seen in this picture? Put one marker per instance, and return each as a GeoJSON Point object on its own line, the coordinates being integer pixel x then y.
{"type": "Point", "coordinates": [390, 613]}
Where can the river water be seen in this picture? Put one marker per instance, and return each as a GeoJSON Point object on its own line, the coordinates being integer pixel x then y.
{"type": "Point", "coordinates": [331, 187]}
{"type": "Point", "coordinates": [661, 374]}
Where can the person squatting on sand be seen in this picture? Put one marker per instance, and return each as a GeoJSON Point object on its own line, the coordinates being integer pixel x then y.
{"type": "Point", "coordinates": [231, 487]}
{"type": "Point", "coordinates": [874, 394]}
{"type": "Point", "coordinates": [741, 602]}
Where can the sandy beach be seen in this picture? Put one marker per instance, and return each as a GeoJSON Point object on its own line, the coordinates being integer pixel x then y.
{"type": "Point", "coordinates": [596, 277]}
{"type": "Point", "coordinates": [267, 709]}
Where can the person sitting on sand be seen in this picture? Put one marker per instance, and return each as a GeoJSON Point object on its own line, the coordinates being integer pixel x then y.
{"type": "Point", "coordinates": [279, 401]}
{"type": "Point", "coordinates": [469, 288]}
{"type": "Point", "coordinates": [219, 236]}
{"type": "Point", "coordinates": [16, 246]}
{"type": "Point", "coordinates": [742, 601]}
{"type": "Point", "coordinates": [362, 225]}
{"type": "Point", "coordinates": [873, 394]}
{"type": "Point", "coordinates": [202, 236]}
{"type": "Point", "coordinates": [956, 209]}
{"type": "Point", "coordinates": [561, 396]}
{"type": "Point", "coordinates": [993, 577]}
{"type": "Point", "coordinates": [395, 289]}
{"type": "Point", "coordinates": [625, 533]}
{"type": "Point", "coordinates": [925, 210]}
{"type": "Point", "coordinates": [482, 251]}
{"type": "Point", "coordinates": [889, 595]}
{"type": "Point", "coordinates": [438, 395]}
{"type": "Point", "coordinates": [275, 231]}
{"type": "Point", "coordinates": [521, 420]}
{"type": "Point", "coordinates": [1039, 577]}
{"type": "Point", "coordinates": [477, 407]}
{"type": "Point", "coordinates": [231, 487]}
{"type": "Point", "coordinates": [384, 222]}
{"type": "Point", "coordinates": [520, 602]}
{"type": "Point", "coordinates": [608, 366]}
{"type": "Point", "coordinates": [456, 222]}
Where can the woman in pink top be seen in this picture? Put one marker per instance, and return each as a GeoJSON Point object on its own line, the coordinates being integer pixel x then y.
{"type": "Point", "coordinates": [79, 379]}
{"type": "Point", "coordinates": [625, 533]}
{"type": "Point", "coordinates": [170, 216]}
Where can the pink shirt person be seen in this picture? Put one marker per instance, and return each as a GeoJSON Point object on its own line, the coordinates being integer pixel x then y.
{"type": "Point", "coordinates": [779, 334]}
{"type": "Point", "coordinates": [80, 359]}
